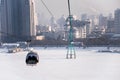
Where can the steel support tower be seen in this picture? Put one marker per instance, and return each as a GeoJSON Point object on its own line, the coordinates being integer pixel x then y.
{"type": "Point", "coordinates": [70, 49]}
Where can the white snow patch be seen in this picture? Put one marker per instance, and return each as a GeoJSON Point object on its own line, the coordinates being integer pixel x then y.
{"type": "Point", "coordinates": [89, 65]}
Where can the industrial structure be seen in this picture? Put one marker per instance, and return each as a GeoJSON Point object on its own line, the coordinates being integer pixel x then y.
{"type": "Point", "coordinates": [71, 50]}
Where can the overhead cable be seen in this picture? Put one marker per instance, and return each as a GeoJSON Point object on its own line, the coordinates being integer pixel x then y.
{"type": "Point", "coordinates": [47, 8]}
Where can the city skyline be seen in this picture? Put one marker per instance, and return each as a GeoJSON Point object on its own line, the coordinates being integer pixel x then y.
{"type": "Point", "coordinates": [78, 7]}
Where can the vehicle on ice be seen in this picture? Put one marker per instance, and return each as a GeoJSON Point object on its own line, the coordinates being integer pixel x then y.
{"type": "Point", "coordinates": [12, 47]}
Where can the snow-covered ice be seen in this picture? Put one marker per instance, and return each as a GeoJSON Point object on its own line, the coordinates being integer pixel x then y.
{"type": "Point", "coordinates": [89, 65]}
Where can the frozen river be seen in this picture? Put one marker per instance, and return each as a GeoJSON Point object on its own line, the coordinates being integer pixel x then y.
{"type": "Point", "coordinates": [89, 65]}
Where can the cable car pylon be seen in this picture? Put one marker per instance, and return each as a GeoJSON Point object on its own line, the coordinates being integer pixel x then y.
{"type": "Point", "coordinates": [70, 50]}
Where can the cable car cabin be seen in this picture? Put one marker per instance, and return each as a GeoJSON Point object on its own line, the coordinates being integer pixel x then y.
{"type": "Point", "coordinates": [32, 58]}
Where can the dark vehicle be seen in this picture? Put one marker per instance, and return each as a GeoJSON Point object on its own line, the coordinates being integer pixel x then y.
{"type": "Point", "coordinates": [32, 58]}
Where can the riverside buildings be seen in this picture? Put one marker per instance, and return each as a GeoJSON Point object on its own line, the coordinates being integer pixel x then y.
{"type": "Point", "coordinates": [17, 20]}
{"type": "Point", "coordinates": [117, 21]}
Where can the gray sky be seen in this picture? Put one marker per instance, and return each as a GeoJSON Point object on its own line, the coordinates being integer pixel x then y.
{"type": "Point", "coordinates": [59, 7]}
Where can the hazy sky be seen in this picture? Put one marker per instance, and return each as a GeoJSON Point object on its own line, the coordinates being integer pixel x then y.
{"type": "Point", "coordinates": [59, 7]}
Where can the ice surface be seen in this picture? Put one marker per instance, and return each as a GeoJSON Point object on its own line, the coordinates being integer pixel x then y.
{"type": "Point", "coordinates": [89, 65]}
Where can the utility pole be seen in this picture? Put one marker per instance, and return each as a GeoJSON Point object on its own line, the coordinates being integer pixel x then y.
{"type": "Point", "coordinates": [28, 44]}
{"type": "Point", "coordinates": [70, 50]}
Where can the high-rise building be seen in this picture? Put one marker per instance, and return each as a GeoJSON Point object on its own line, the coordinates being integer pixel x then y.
{"type": "Point", "coordinates": [102, 22]}
{"type": "Point", "coordinates": [84, 17]}
{"type": "Point", "coordinates": [110, 26]}
{"type": "Point", "coordinates": [117, 21]}
{"type": "Point", "coordinates": [17, 20]}
{"type": "Point", "coordinates": [110, 16]}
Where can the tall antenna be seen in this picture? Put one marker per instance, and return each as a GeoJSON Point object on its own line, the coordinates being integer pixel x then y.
{"type": "Point", "coordinates": [71, 50]}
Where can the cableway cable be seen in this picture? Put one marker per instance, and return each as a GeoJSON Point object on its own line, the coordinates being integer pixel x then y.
{"type": "Point", "coordinates": [47, 8]}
